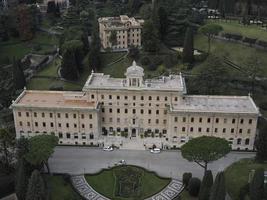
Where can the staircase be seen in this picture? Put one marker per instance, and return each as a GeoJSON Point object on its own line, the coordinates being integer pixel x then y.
{"type": "Point", "coordinates": [133, 144]}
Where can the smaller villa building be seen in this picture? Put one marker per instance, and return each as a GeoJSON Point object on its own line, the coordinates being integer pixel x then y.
{"type": "Point", "coordinates": [128, 31]}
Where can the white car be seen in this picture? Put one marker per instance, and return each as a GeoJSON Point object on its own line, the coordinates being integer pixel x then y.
{"type": "Point", "coordinates": [121, 162]}
{"type": "Point", "coordinates": [155, 150]}
{"type": "Point", "coordinates": [108, 148]}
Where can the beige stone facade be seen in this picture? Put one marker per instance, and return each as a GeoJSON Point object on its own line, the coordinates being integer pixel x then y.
{"type": "Point", "coordinates": [128, 31]}
{"type": "Point", "coordinates": [154, 111]}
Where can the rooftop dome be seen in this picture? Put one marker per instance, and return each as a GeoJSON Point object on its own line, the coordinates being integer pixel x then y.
{"type": "Point", "coordinates": [134, 70]}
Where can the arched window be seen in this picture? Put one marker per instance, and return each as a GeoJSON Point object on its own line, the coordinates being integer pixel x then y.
{"type": "Point", "coordinates": [231, 140]}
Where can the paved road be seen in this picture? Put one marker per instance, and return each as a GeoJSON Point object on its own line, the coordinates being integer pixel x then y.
{"type": "Point", "coordinates": [79, 160]}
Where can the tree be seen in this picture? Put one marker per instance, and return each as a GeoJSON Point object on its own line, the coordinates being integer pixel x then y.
{"type": "Point", "coordinates": [188, 51]}
{"type": "Point", "coordinates": [113, 38]}
{"type": "Point", "coordinates": [186, 178]}
{"type": "Point", "coordinates": [40, 149]}
{"type": "Point", "coordinates": [206, 185]}
{"type": "Point", "coordinates": [36, 188]}
{"type": "Point", "coordinates": [205, 149]}
{"type": "Point", "coordinates": [22, 147]}
{"type": "Point", "coordinates": [194, 186]}
{"type": "Point", "coordinates": [218, 190]}
{"type": "Point", "coordinates": [133, 6]}
{"type": "Point", "coordinates": [261, 142]}
{"type": "Point", "coordinates": [51, 7]}
{"type": "Point", "coordinates": [163, 21]}
{"type": "Point", "coordinates": [150, 37]}
{"type": "Point", "coordinates": [18, 75]}
{"type": "Point", "coordinates": [256, 189]}
{"type": "Point", "coordinates": [210, 30]}
{"type": "Point", "coordinates": [69, 69]}
{"type": "Point", "coordinates": [6, 150]}
{"type": "Point", "coordinates": [21, 180]}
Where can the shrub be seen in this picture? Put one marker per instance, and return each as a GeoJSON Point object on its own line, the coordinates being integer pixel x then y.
{"type": "Point", "coordinates": [232, 36]}
{"type": "Point", "coordinates": [194, 186]}
{"type": "Point", "coordinates": [145, 60]}
{"type": "Point", "coordinates": [206, 185]}
{"type": "Point", "coordinates": [133, 52]}
{"type": "Point", "coordinates": [186, 178]}
{"type": "Point", "coordinates": [157, 60]}
{"type": "Point", "coordinates": [262, 43]}
{"type": "Point", "coordinates": [249, 40]}
{"type": "Point", "coordinates": [243, 192]}
{"type": "Point", "coordinates": [152, 67]}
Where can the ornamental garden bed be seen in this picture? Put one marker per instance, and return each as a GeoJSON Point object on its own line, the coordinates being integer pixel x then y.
{"type": "Point", "coordinates": [127, 182]}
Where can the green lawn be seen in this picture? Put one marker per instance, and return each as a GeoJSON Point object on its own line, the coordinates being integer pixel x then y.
{"type": "Point", "coordinates": [59, 189]}
{"type": "Point", "coordinates": [18, 49]}
{"type": "Point", "coordinates": [104, 183]}
{"type": "Point", "coordinates": [252, 31]}
{"type": "Point", "coordinates": [237, 175]}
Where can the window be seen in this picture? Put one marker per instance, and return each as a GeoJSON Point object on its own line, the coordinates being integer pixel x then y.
{"type": "Point", "coordinates": [67, 125]}
{"type": "Point", "coordinates": [51, 124]}
{"type": "Point", "coordinates": [27, 114]}
{"type": "Point", "coordinates": [241, 121]}
{"type": "Point", "coordinates": [150, 98]}
{"type": "Point", "coordinates": [142, 111]}
{"type": "Point", "coordinates": [59, 125]}
{"type": "Point", "coordinates": [191, 129]}
{"type": "Point", "coordinates": [183, 129]}
{"type": "Point", "coordinates": [60, 135]}
{"type": "Point", "coordinates": [166, 98]}
{"type": "Point", "coordinates": [238, 141]}
{"type": "Point", "coordinates": [118, 110]}
{"type": "Point", "coordinates": [68, 135]}
{"type": "Point", "coordinates": [134, 111]}
{"type": "Point", "coordinates": [200, 120]}
{"type": "Point", "coordinates": [217, 120]}
{"type": "Point", "coordinates": [247, 141]}
{"type": "Point", "coordinates": [103, 110]}
{"type": "Point", "coordinates": [125, 97]}
{"type": "Point", "coordinates": [225, 120]}
{"type": "Point", "coordinates": [102, 96]}
{"type": "Point", "coordinates": [233, 121]}
{"type": "Point", "coordinates": [74, 116]}
{"type": "Point", "coordinates": [58, 115]}
{"type": "Point", "coordinates": [208, 130]}
{"type": "Point", "coordinates": [103, 119]}
{"type": "Point", "coordinates": [164, 121]}
{"type": "Point", "coordinates": [118, 97]}
{"type": "Point", "coordinates": [149, 111]}
{"type": "Point", "coordinates": [175, 98]}
{"type": "Point", "coordinates": [35, 114]}
{"type": "Point", "coordinates": [19, 114]}
{"type": "Point", "coordinates": [157, 112]}
{"type": "Point", "coordinates": [208, 120]}
{"type": "Point", "coordinates": [110, 96]}
{"type": "Point", "coordinates": [133, 121]}
{"type": "Point", "coordinates": [83, 126]}
{"type": "Point", "coordinates": [250, 121]}
{"type": "Point", "coordinates": [91, 125]}
{"type": "Point", "coordinates": [240, 130]}
{"type": "Point", "coordinates": [51, 115]}
{"type": "Point", "coordinates": [75, 135]}
{"type": "Point", "coordinates": [176, 119]}
{"type": "Point", "coordinates": [75, 125]}
{"type": "Point", "coordinates": [157, 121]}
{"type": "Point", "coordinates": [83, 136]}
{"type": "Point", "coordinates": [184, 119]}
{"type": "Point", "coordinates": [142, 98]}
{"type": "Point", "coordinates": [110, 110]}
{"type": "Point", "coordinates": [118, 120]}
{"type": "Point", "coordinates": [224, 129]}
{"type": "Point", "coordinates": [44, 124]}
{"type": "Point", "coordinates": [82, 116]}
{"type": "Point", "coordinates": [248, 131]}
{"type": "Point", "coordinates": [199, 130]}
{"type": "Point", "coordinates": [110, 119]}
{"type": "Point", "coordinates": [91, 136]}
{"type": "Point", "coordinates": [28, 124]}
{"type": "Point", "coordinates": [192, 119]}
{"type": "Point", "coordinates": [134, 97]}
{"type": "Point", "coordinates": [216, 130]}
{"type": "Point", "coordinates": [92, 96]}
{"type": "Point", "coordinates": [149, 121]}
{"type": "Point", "coordinates": [66, 115]}
{"type": "Point", "coordinates": [157, 98]}
{"type": "Point", "coordinates": [126, 110]}
{"type": "Point", "coordinates": [43, 115]}
{"type": "Point", "coordinates": [232, 130]}
{"type": "Point", "coordinates": [20, 123]}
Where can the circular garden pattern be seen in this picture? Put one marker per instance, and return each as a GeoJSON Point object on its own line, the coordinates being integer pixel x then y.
{"type": "Point", "coordinates": [127, 182]}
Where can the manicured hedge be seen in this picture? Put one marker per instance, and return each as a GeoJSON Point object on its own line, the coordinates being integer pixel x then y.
{"type": "Point", "coordinates": [232, 36]}
{"type": "Point", "coordinates": [249, 40]}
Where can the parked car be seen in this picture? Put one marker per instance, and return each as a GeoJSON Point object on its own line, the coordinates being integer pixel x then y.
{"type": "Point", "coordinates": [108, 148]}
{"type": "Point", "coordinates": [155, 150]}
{"type": "Point", "coordinates": [121, 162]}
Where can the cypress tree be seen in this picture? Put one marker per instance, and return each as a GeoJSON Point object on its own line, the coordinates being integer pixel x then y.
{"type": "Point", "coordinates": [18, 75]}
{"type": "Point", "coordinates": [36, 189]}
{"type": "Point", "coordinates": [206, 185]}
{"type": "Point", "coordinates": [218, 190]}
{"type": "Point", "coordinates": [21, 180]}
{"type": "Point", "coordinates": [256, 189]}
{"type": "Point", "coordinates": [69, 67]}
{"type": "Point", "coordinates": [188, 51]}
{"type": "Point", "coordinates": [261, 141]}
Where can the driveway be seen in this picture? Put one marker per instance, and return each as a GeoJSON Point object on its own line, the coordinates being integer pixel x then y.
{"type": "Point", "coordinates": [80, 160]}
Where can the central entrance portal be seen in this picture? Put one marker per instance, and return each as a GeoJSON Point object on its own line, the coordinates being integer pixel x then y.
{"type": "Point", "coordinates": [133, 132]}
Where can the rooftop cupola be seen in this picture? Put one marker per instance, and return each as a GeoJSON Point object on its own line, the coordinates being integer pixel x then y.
{"type": "Point", "coordinates": [134, 75]}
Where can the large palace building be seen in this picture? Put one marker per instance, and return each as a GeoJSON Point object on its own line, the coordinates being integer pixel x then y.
{"type": "Point", "coordinates": [131, 110]}
{"type": "Point", "coordinates": [128, 31]}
